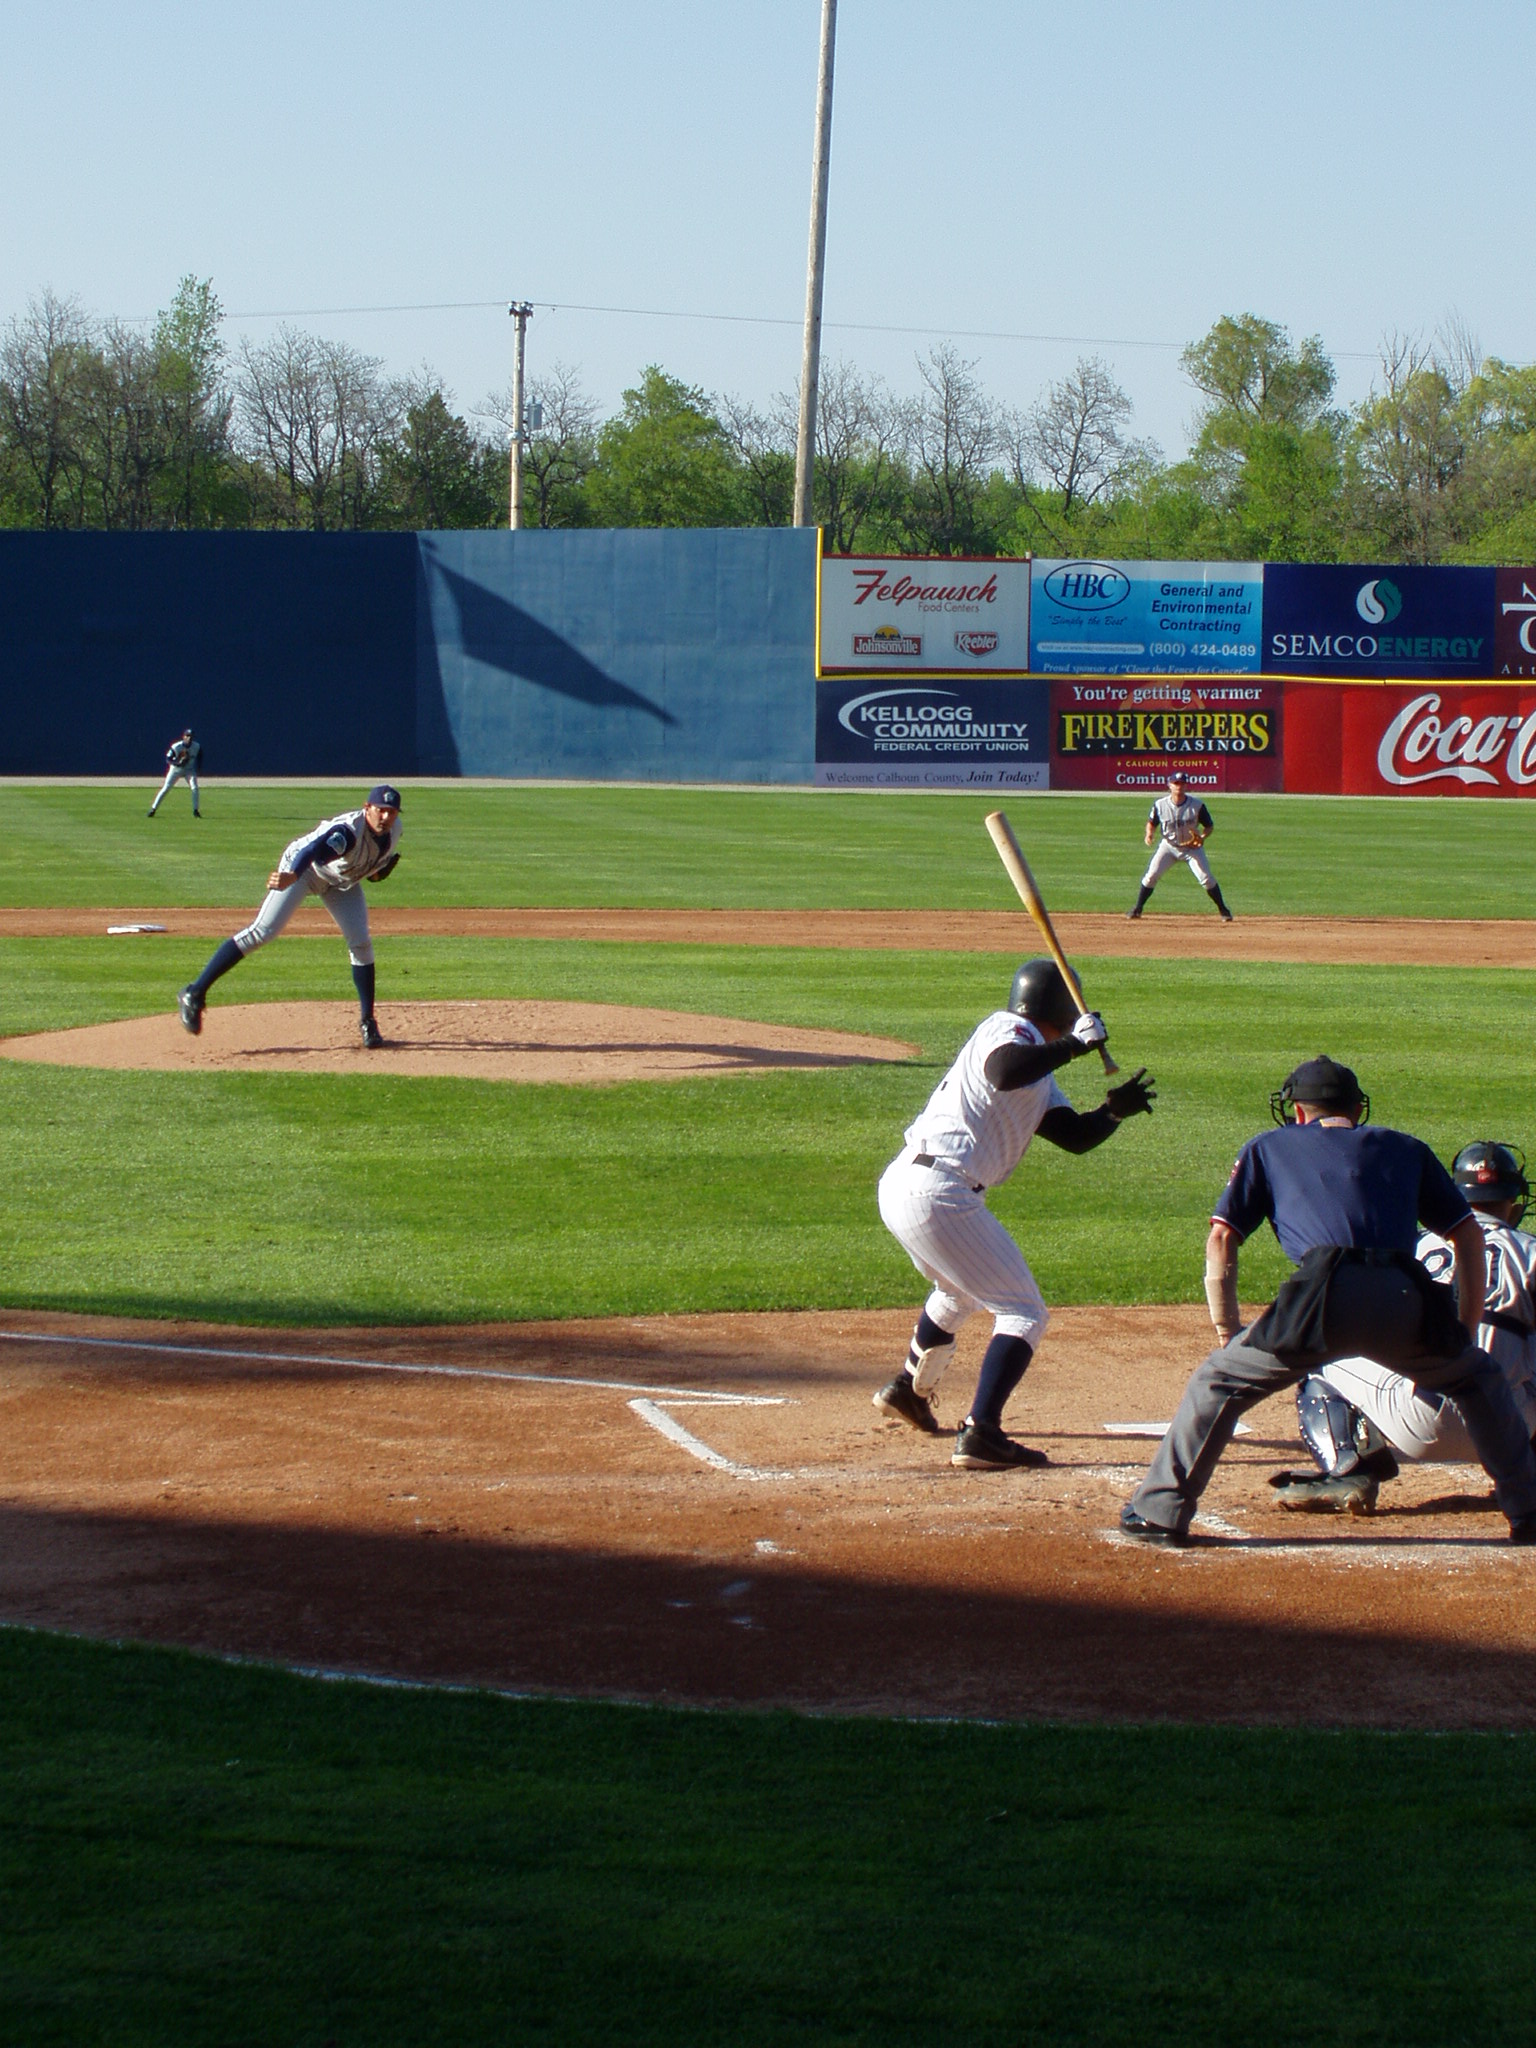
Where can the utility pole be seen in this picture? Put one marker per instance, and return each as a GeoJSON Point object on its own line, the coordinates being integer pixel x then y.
{"type": "Point", "coordinates": [522, 314]}
{"type": "Point", "coordinates": [810, 361]}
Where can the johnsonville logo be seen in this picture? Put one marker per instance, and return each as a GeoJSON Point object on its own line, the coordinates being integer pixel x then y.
{"type": "Point", "coordinates": [1165, 732]}
{"type": "Point", "coordinates": [888, 640]}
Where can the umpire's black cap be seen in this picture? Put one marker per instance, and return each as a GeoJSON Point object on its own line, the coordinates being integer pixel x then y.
{"type": "Point", "coordinates": [1323, 1084]}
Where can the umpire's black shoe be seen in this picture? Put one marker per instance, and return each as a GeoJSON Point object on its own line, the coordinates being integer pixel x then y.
{"type": "Point", "coordinates": [982, 1447]}
{"type": "Point", "coordinates": [902, 1400]}
{"type": "Point", "coordinates": [190, 1006]}
{"type": "Point", "coordinates": [1523, 1531]}
{"type": "Point", "coordinates": [1151, 1533]}
{"type": "Point", "coordinates": [373, 1037]}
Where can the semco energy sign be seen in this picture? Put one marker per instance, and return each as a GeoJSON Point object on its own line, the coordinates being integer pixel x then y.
{"type": "Point", "coordinates": [919, 615]}
{"type": "Point", "coordinates": [970, 733]}
{"type": "Point", "coordinates": [1358, 622]}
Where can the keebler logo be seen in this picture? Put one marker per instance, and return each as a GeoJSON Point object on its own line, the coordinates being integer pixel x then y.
{"type": "Point", "coordinates": [976, 643]}
{"type": "Point", "coordinates": [1379, 601]}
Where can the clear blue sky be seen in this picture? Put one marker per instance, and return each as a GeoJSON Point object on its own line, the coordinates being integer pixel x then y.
{"type": "Point", "coordinates": [1106, 170]}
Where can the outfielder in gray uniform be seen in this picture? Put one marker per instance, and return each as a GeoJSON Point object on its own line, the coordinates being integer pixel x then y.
{"type": "Point", "coordinates": [974, 1131]}
{"type": "Point", "coordinates": [181, 759]}
{"type": "Point", "coordinates": [1178, 825]}
{"type": "Point", "coordinates": [1359, 1418]}
{"type": "Point", "coordinates": [330, 862]}
{"type": "Point", "coordinates": [1343, 1198]}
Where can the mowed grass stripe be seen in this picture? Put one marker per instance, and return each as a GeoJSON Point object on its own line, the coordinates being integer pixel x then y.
{"type": "Point", "coordinates": [313, 1199]}
{"type": "Point", "coordinates": [780, 849]}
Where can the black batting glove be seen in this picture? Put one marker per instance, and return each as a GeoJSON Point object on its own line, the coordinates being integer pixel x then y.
{"type": "Point", "coordinates": [1132, 1097]}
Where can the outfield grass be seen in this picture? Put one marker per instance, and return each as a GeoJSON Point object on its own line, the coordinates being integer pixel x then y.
{"type": "Point", "coordinates": [197, 1853]}
{"type": "Point", "coordinates": [1313, 856]}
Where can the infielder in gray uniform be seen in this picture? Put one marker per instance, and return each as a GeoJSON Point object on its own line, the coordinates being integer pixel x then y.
{"type": "Point", "coordinates": [181, 759]}
{"type": "Point", "coordinates": [1358, 1418]}
{"type": "Point", "coordinates": [1178, 825]}
{"type": "Point", "coordinates": [330, 862]}
{"type": "Point", "coordinates": [974, 1131]}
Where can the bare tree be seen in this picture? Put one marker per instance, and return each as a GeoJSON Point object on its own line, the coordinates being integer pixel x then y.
{"type": "Point", "coordinates": [41, 357]}
{"type": "Point", "coordinates": [767, 457]}
{"type": "Point", "coordinates": [1409, 444]}
{"type": "Point", "coordinates": [858, 432]}
{"type": "Point", "coordinates": [318, 415]}
{"type": "Point", "coordinates": [560, 450]}
{"type": "Point", "coordinates": [952, 432]}
{"type": "Point", "coordinates": [1073, 436]}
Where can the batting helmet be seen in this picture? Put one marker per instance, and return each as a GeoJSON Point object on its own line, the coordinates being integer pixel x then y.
{"type": "Point", "coordinates": [1487, 1173]}
{"type": "Point", "coordinates": [1323, 1083]}
{"type": "Point", "coordinates": [1040, 993]}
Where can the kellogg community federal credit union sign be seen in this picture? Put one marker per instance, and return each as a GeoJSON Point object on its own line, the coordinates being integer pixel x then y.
{"type": "Point", "coordinates": [920, 615]}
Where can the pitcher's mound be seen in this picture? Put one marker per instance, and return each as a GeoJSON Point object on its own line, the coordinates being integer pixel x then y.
{"type": "Point", "coordinates": [589, 1043]}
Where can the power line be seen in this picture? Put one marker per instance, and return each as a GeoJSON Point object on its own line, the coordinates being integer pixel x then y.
{"type": "Point", "coordinates": [742, 320]}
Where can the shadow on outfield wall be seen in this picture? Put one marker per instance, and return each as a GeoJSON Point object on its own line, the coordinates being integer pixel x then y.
{"type": "Point", "coordinates": [431, 1604]}
{"type": "Point", "coordinates": [503, 636]}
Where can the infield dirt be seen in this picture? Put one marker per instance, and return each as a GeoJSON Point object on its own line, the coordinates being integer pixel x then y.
{"type": "Point", "coordinates": [708, 1509]}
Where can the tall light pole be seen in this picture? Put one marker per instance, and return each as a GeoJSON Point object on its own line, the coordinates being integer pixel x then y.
{"type": "Point", "coordinates": [810, 360]}
{"type": "Point", "coordinates": [522, 314]}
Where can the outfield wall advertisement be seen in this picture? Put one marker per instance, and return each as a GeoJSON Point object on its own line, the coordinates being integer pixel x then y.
{"type": "Point", "coordinates": [1145, 618]}
{"type": "Point", "coordinates": [1218, 735]}
{"type": "Point", "coordinates": [1401, 740]}
{"type": "Point", "coordinates": [911, 615]}
{"type": "Point", "coordinates": [975, 733]}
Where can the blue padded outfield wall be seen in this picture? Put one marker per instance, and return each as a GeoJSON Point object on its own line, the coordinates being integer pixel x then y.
{"type": "Point", "coordinates": [674, 655]}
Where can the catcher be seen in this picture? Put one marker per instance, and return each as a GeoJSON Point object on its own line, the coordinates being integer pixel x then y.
{"type": "Point", "coordinates": [1178, 826]}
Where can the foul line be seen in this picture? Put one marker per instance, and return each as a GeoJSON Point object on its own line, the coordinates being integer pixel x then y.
{"type": "Point", "coordinates": [457, 1372]}
{"type": "Point", "coordinates": [685, 1439]}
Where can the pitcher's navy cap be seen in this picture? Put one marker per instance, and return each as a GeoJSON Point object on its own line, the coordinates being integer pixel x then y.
{"type": "Point", "coordinates": [386, 795]}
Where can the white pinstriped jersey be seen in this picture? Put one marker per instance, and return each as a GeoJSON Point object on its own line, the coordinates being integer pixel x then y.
{"type": "Point", "coordinates": [1511, 1278]}
{"type": "Point", "coordinates": [982, 1131]}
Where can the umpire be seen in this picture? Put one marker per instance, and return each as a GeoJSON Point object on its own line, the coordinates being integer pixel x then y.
{"type": "Point", "coordinates": [1345, 1200]}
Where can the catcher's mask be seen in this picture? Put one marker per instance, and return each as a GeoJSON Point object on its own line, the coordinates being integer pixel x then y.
{"type": "Point", "coordinates": [1323, 1082]}
{"type": "Point", "coordinates": [1040, 993]}
{"type": "Point", "coordinates": [1489, 1173]}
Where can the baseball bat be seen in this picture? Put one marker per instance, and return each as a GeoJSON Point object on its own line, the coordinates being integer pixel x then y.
{"type": "Point", "coordinates": [1011, 854]}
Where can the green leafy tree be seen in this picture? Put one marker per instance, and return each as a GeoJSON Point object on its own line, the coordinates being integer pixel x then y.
{"type": "Point", "coordinates": [196, 486]}
{"type": "Point", "coordinates": [666, 460]}
{"type": "Point", "coordinates": [433, 471]}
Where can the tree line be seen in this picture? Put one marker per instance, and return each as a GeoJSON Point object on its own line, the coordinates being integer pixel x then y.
{"type": "Point", "coordinates": [105, 425]}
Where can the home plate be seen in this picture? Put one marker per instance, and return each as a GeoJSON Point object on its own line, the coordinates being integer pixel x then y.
{"type": "Point", "coordinates": [1157, 1429]}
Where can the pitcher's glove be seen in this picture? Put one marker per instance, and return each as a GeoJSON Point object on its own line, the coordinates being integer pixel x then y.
{"type": "Point", "coordinates": [1132, 1097]}
{"type": "Point", "coordinates": [385, 868]}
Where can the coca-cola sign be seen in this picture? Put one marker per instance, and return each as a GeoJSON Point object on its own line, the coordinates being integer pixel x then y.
{"type": "Point", "coordinates": [1429, 741]}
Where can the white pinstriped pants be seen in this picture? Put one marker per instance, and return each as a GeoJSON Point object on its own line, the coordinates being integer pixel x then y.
{"type": "Point", "coordinates": [347, 907]}
{"type": "Point", "coordinates": [951, 1236]}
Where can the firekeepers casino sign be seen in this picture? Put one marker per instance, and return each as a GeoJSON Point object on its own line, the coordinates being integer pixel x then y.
{"type": "Point", "coordinates": [915, 615]}
{"type": "Point", "coordinates": [1220, 735]}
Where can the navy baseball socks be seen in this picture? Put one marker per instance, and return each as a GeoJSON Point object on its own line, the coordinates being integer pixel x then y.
{"type": "Point", "coordinates": [1142, 894]}
{"type": "Point", "coordinates": [980, 1442]}
{"type": "Point", "coordinates": [362, 981]}
{"type": "Point", "coordinates": [192, 999]}
{"type": "Point", "coordinates": [1214, 892]}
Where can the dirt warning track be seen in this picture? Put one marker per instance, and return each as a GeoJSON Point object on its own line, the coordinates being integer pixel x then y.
{"type": "Point", "coordinates": [708, 1509]}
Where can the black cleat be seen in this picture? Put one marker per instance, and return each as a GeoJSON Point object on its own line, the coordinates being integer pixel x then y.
{"type": "Point", "coordinates": [373, 1037]}
{"type": "Point", "coordinates": [904, 1403]}
{"type": "Point", "coordinates": [1153, 1534]}
{"type": "Point", "coordinates": [190, 1006]}
{"type": "Point", "coordinates": [1328, 1493]}
{"type": "Point", "coordinates": [1523, 1531]}
{"type": "Point", "coordinates": [982, 1447]}
{"type": "Point", "coordinates": [1226, 917]}
{"type": "Point", "coordinates": [1132, 915]}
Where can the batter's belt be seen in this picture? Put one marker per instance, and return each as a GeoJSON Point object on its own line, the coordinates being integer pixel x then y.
{"type": "Point", "coordinates": [977, 1187]}
{"type": "Point", "coordinates": [1508, 1323]}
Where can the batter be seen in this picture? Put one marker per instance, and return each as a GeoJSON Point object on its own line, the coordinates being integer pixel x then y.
{"type": "Point", "coordinates": [976, 1127]}
{"type": "Point", "coordinates": [181, 759]}
{"type": "Point", "coordinates": [1358, 1418]}
{"type": "Point", "coordinates": [330, 862]}
{"type": "Point", "coordinates": [1179, 825]}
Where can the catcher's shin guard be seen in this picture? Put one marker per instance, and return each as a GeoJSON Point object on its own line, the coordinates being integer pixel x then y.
{"type": "Point", "coordinates": [1328, 1425]}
